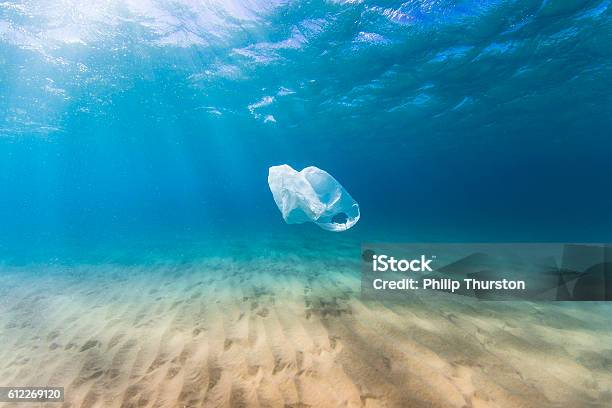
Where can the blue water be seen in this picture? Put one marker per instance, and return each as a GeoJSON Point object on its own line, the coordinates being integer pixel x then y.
{"type": "Point", "coordinates": [447, 121]}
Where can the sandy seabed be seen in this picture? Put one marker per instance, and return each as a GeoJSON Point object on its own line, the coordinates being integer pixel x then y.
{"type": "Point", "coordinates": [287, 331]}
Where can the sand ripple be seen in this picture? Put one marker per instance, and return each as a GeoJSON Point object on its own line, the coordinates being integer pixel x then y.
{"type": "Point", "coordinates": [265, 333]}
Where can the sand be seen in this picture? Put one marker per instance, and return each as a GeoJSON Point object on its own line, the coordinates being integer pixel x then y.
{"type": "Point", "coordinates": [287, 331]}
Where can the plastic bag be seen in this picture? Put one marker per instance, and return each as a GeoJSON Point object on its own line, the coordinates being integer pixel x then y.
{"type": "Point", "coordinates": [312, 195]}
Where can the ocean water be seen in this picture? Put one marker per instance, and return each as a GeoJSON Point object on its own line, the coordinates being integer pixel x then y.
{"type": "Point", "coordinates": [447, 121]}
{"type": "Point", "coordinates": [143, 260]}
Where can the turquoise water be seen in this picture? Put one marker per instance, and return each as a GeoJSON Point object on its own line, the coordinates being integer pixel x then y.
{"type": "Point", "coordinates": [143, 260]}
{"type": "Point", "coordinates": [127, 123]}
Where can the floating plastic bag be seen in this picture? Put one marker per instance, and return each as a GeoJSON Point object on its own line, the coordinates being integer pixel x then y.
{"type": "Point", "coordinates": [312, 195]}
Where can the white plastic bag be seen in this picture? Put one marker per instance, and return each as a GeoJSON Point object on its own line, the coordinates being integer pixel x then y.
{"type": "Point", "coordinates": [312, 195]}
